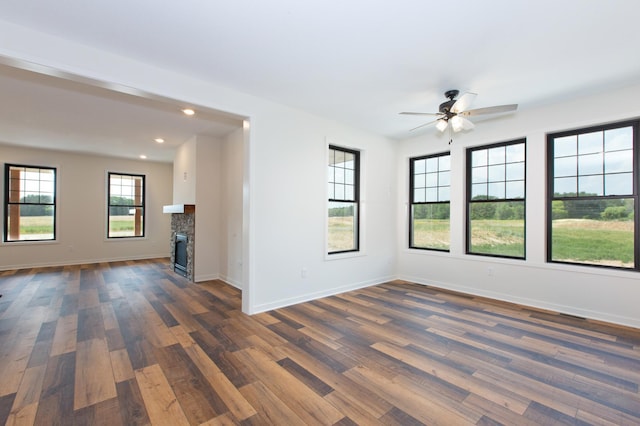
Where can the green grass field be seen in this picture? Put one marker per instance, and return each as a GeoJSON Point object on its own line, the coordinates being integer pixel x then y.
{"type": "Point", "coordinates": [37, 227]}
{"type": "Point", "coordinates": [593, 241]}
{"type": "Point", "coordinates": [497, 237]}
{"type": "Point", "coordinates": [341, 233]}
{"type": "Point", "coordinates": [431, 233]}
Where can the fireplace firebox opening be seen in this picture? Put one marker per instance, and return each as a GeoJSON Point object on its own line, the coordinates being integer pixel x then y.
{"type": "Point", "coordinates": [181, 256]}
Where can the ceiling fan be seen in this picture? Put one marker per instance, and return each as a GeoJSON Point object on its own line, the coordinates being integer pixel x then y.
{"type": "Point", "coordinates": [454, 112]}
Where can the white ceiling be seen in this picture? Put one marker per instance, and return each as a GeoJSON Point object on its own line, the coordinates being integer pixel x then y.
{"type": "Point", "coordinates": [357, 61]}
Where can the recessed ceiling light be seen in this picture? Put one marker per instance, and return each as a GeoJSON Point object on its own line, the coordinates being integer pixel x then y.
{"type": "Point", "coordinates": [188, 111]}
{"type": "Point", "coordinates": [159, 140]}
{"type": "Point", "coordinates": [144, 157]}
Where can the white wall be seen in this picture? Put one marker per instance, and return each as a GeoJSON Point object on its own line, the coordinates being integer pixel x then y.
{"type": "Point", "coordinates": [184, 173]}
{"type": "Point", "coordinates": [82, 217]}
{"type": "Point", "coordinates": [289, 192]}
{"type": "Point", "coordinates": [208, 182]}
{"type": "Point", "coordinates": [232, 169]}
{"type": "Point", "coordinates": [284, 177]}
{"type": "Point", "coordinates": [606, 294]}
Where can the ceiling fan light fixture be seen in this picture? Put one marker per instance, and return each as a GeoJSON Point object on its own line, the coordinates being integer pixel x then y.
{"type": "Point", "coordinates": [442, 124]}
{"type": "Point", "coordinates": [457, 123]}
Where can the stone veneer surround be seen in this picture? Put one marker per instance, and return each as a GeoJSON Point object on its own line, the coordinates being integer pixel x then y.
{"type": "Point", "coordinates": [186, 224]}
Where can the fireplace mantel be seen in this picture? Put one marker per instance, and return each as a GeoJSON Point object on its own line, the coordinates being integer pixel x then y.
{"type": "Point", "coordinates": [179, 208]}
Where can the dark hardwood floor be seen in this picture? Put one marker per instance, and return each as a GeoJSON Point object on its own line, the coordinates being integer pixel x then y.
{"type": "Point", "coordinates": [132, 343]}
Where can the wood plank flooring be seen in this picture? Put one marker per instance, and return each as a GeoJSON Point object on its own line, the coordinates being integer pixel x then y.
{"type": "Point", "coordinates": [131, 343]}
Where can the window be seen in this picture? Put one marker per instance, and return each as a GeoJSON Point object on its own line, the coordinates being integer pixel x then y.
{"type": "Point", "coordinates": [496, 200]}
{"type": "Point", "coordinates": [126, 205]}
{"type": "Point", "coordinates": [429, 199]}
{"type": "Point", "coordinates": [344, 195]}
{"type": "Point", "coordinates": [30, 203]}
{"type": "Point", "coordinates": [592, 196]}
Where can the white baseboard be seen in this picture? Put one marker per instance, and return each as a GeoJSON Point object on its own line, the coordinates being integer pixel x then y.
{"type": "Point", "coordinates": [80, 262]}
{"type": "Point", "coordinates": [533, 303]}
{"type": "Point", "coordinates": [317, 295]}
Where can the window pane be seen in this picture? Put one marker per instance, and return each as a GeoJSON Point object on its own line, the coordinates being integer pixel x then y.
{"type": "Point", "coordinates": [419, 195]}
{"type": "Point", "coordinates": [479, 191]}
{"type": "Point", "coordinates": [565, 146]}
{"type": "Point", "coordinates": [125, 222]}
{"type": "Point", "coordinates": [617, 139]}
{"type": "Point", "coordinates": [349, 193]}
{"type": "Point", "coordinates": [497, 155]}
{"type": "Point", "coordinates": [590, 185]}
{"type": "Point", "coordinates": [515, 189]}
{"type": "Point", "coordinates": [431, 179]}
{"type": "Point", "coordinates": [497, 228]}
{"type": "Point", "coordinates": [596, 232]}
{"type": "Point", "coordinates": [515, 153]}
{"type": "Point", "coordinates": [479, 158]}
{"type": "Point", "coordinates": [432, 195]}
{"type": "Point", "coordinates": [444, 162]}
{"type": "Point", "coordinates": [348, 160]}
{"type": "Point", "coordinates": [339, 175]}
{"type": "Point", "coordinates": [31, 185]}
{"type": "Point", "coordinates": [589, 143]}
{"type": "Point", "coordinates": [432, 164]}
{"type": "Point", "coordinates": [496, 173]}
{"type": "Point", "coordinates": [430, 226]}
{"type": "Point", "coordinates": [496, 190]}
{"type": "Point", "coordinates": [619, 184]}
{"type": "Point", "coordinates": [444, 178]}
{"type": "Point", "coordinates": [565, 186]}
{"type": "Point", "coordinates": [566, 166]}
{"type": "Point", "coordinates": [331, 190]}
{"type": "Point", "coordinates": [342, 234]}
{"type": "Point", "coordinates": [590, 164]}
{"type": "Point", "coordinates": [479, 174]}
{"type": "Point", "coordinates": [443, 193]}
{"type": "Point", "coordinates": [618, 161]}
{"type": "Point", "coordinates": [349, 177]}
{"type": "Point", "coordinates": [515, 171]}
{"type": "Point", "coordinates": [30, 223]}
{"type": "Point", "coordinates": [419, 166]}
{"type": "Point", "coordinates": [339, 189]}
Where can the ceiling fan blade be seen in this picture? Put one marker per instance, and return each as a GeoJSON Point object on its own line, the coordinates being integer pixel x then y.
{"type": "Point", "coordinates": [489, 110]}
{"type": "Point", "coordinates": [421, 113]}
{"type": "Point", "coordinates": [423, 125]}
{"type": "Point", "coordinates": [463, 102]}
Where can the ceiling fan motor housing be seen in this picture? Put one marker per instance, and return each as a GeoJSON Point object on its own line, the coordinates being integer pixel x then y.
{"type": "Point", "coordinates": [445, 107]}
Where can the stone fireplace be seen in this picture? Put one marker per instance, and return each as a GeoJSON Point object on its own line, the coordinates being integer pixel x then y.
{"type": "Point", "coordinates": [182, 238]}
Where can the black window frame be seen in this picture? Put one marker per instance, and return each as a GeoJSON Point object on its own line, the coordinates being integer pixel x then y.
{"type": "Point", "coordinates": [470, 201]}
{"type": "Point", "coordinates": [8, 203]}
{"type": "Point", "coordinates": [355, 199]}
{"type": "Point", "coordinates": [635, 125]}
{"type": "Point", "coordinates": [142, 205]}
{"type": "Point", "coordinates": [412, 198]}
